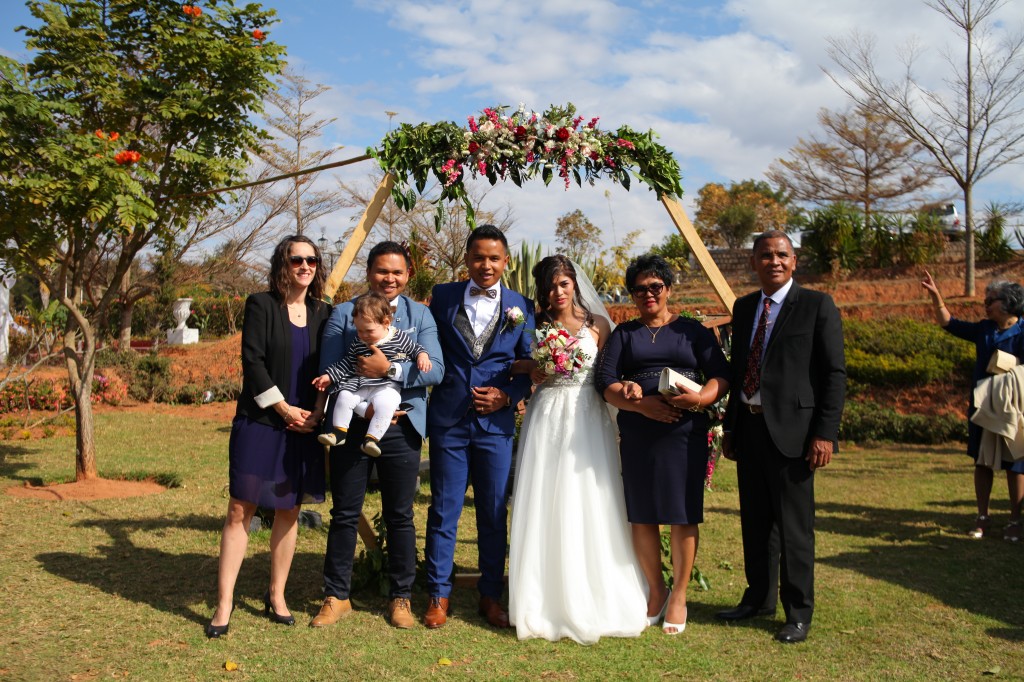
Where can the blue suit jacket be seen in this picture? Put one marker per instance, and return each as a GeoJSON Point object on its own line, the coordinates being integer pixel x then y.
{"type": "Point", "coordinates": [414, 319]}
{"type": "Point", "coordinates": [451, 400]}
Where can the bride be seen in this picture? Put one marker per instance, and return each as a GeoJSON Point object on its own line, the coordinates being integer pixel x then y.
{"type": "Point", "coordinates": [572, 570]}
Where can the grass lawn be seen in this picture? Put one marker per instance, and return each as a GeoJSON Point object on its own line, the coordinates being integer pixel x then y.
{"type": "Point", "coordinates": [122, 588]}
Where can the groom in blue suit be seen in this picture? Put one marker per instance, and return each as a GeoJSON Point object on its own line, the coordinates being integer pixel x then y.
{"type": "Point", "coordinates": [471, 419]}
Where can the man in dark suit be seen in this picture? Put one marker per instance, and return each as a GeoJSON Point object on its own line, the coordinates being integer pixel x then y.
{"type": "Point", "coordinates": [483, 328]}
{"type": "Point", "coordinates": [782, 424]}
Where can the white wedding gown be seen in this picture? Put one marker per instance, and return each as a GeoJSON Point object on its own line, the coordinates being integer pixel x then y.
{"type": "Point", "coordinates": [572, 569]}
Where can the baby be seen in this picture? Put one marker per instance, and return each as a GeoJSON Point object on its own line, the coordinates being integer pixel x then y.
{"type": "Point", "coordinates": [371, 316]}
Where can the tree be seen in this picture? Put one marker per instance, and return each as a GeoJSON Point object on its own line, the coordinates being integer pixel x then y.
{"type": "Point", "coordinates": [733, 215]}
{"type": "Point", "coordinates": [675, 250]}
{"type": "Point", "coordinates": [129, 110]}
{"type": "Point", "coordinates": [577, 237]}
{"type": "Point", "coordinates": [972, 127]}
{"type": "Point", "coordinates": [295, 130]}
{"type": "Point", "coordinates": [863, 159]}
{"type": "Point", "coordinates": [610, 276]}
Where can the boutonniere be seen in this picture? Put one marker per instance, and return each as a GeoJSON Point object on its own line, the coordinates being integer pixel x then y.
{"type": "Point", "coordinates": [513, 318]}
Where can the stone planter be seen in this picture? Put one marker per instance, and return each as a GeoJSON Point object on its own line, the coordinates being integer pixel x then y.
{"type": "Point", "coordinates": [182, 334]}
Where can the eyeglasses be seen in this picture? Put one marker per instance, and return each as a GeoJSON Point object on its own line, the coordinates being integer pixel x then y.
{"type": "Point", "coordinates": [653, 289]}
{"type": "Point", "coordinates": [991, 300]}
{"type": "Point", "coordinates": [311, 261]}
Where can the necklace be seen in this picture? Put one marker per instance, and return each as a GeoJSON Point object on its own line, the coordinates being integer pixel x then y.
{"type": "Point", "coordinates": [654, 334]}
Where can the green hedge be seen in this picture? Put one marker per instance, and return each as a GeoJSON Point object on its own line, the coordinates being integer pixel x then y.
{"type": "Point", "coordinates": [902, 352]}
{"type": "Point", "coordinates": [873, 422]}
{"type": "Point", "coordinates": [214, 316]}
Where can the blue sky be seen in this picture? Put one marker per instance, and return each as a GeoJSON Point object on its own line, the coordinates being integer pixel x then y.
{"type": "Point", "coordinates": [729, 86]}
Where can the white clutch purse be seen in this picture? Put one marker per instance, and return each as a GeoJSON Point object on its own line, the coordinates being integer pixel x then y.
{"type": "Point", "coordinates": [669, 379]}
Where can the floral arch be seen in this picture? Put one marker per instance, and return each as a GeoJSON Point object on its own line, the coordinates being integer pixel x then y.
{"type": "Point", "coordinates": [519, 146]}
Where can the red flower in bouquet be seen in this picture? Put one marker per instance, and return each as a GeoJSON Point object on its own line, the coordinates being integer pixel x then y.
{"type": "Point", "coordinates": [557, 351]}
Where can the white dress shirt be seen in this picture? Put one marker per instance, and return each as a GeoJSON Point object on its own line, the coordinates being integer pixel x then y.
{"type": "Point", "coordinates": [778, 298]}
{"type": "Point", "coordinates": [481, 309]}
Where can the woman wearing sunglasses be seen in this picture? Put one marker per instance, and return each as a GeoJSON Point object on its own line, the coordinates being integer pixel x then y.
{"type": "Point", "coordinates": [1002, 329]}
{"type": "Point", "coordinates": [274, 459]}
{"type": "Point", "coordinates": [663, 442]}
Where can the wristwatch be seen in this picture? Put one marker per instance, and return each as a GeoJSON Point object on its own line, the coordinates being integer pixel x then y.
{"type": "Point", "coordinates": [392, 371]}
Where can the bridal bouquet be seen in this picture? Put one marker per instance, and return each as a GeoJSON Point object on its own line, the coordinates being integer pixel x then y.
{"type": "Point", "coordinates": [557, 351]}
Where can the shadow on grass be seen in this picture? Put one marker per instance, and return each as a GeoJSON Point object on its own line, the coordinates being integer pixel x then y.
{"type": "Point", "coordinates": [10, 468]}
{"type": "Point", "coordinates": [171, 582]}
{"type": "Point", "coordinates": [927, 551]}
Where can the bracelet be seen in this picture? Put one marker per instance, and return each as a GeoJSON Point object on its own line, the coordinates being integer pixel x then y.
{"type": "Point", "coordinates": [695, 408]}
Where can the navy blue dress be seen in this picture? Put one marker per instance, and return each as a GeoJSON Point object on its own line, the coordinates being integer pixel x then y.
{"type": "Point", "coordinates": [663, 465]}
{"type": "Point", "coordinates": [271, 466]}
{"type": "Point", "coordinates": [987, 338]}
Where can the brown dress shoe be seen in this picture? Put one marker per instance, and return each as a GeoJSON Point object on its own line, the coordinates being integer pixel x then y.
{"type": "Point", "coordinates": [400, 612]}
{"type": "Point", "coordinates": [492, 611]}
{"type": "Point", "coordinates": [331, 612]}
{"type": "Point", "coordinates": [437, 612]}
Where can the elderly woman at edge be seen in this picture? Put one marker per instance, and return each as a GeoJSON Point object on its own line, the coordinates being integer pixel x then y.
{"type": "Point", "coordinates": [1003, 329]}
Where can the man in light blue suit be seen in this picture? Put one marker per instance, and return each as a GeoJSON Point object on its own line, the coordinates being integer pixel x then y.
{"type": "Point", "coordinates": [483, 328]}
{"type": "Point", "coordinates": [387, 272]}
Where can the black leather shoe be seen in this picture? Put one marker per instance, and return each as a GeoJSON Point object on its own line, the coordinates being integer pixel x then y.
{"type": "Point", "coordinates": [274, 615]}
{"type": "Point", "coordinates": [743, 612]}
{"type": "Point", "coordinates": [791, 633]}
{"type": "Point", "coordinates": [215, 631]}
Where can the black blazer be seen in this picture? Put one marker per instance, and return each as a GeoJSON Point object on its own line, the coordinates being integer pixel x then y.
{"type": "Point", "coordinates": [267, 353]}
{"type": "Point", "coordinates": [803, 370]}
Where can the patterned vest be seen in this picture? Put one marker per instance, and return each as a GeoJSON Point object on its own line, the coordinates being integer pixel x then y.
{"type": "Point", "coordinates": [480, 345]}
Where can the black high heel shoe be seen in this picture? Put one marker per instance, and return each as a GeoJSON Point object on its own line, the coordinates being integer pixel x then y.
{"type": "Point", "coordinates": [273, 615]}
{"type": "Point", "coordinates": [215, 631]}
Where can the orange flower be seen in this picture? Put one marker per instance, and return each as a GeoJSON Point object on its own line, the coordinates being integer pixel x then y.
{"type": "Point", "coordinates": [191, 11]}
{"type": "Point", "coordinates": [127, 157]}
{"type": "Point", "coordinates": [114, 136]}
{"type": "Point", "coordinates": [99, 134]}
{"type": "Point", "coordinates": [258, 35]}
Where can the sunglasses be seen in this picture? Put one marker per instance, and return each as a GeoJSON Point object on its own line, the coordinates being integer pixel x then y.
{"type": "Point", "coordinates": [653, 289]}
{"type": "Point", "coordinates": [311, 261]}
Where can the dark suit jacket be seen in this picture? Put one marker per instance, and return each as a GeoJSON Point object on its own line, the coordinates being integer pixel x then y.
{"type": "Point", "coordinates": [452, 399]}
{"type": "Point", "coordinates": [803, 370]}
{"type": "Point", "coordinates": [267, 354]}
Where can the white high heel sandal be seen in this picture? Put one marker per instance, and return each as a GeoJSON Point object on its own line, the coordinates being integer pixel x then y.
{"type": "Point", "coordinates": [678, 627]}
{"type": "Point", "coordinates": [654, 620]}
